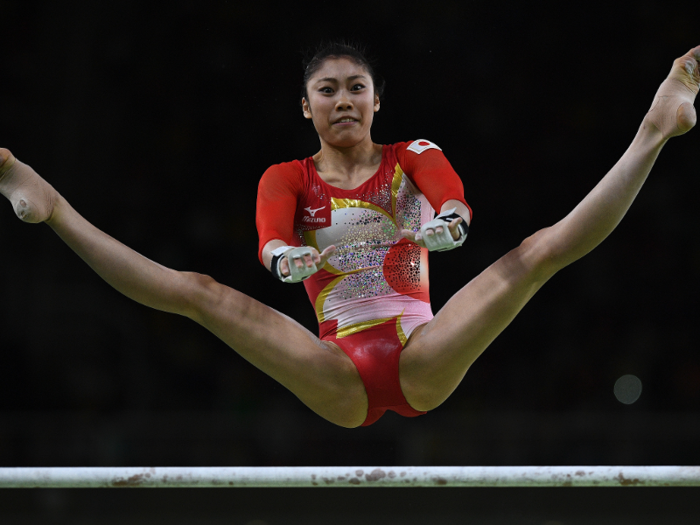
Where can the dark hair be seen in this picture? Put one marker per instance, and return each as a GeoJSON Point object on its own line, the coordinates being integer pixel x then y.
{"type": "Point", "coordinates": [352, 51]}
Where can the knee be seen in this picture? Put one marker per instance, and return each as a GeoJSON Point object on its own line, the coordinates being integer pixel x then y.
{"type": "Point", "coordinates": [429, 391]}
{"type": "Point", "coordinates": [348, 418]}
{"type": "Point", "coordinates": [346, 409]}
{"type": "Point", "coordinates": [426, 399]}
{"type": "Point", "coordinates": [538, 257]}
{"type": "Point", "coordinates": [199, 290]}
{"type": "Point", "coordinates": [336, 392]}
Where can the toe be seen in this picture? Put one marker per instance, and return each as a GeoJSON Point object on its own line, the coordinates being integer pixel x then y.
{"type": "Point", "coordinates": [686, 69]}
{"type": "Point", "coordinates": [6, 159]}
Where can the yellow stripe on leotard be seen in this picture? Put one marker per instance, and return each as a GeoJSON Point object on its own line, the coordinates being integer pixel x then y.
{"type": "Point", "coordinates": [359, 327]}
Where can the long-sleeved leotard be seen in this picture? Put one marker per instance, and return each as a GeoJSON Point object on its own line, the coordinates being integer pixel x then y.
{"type": "Point", "coordinates": [373, 291]}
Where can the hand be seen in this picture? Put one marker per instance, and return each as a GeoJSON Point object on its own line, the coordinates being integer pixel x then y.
{"type": "Point", "coordinates": [315, 259]}
{"type": "Point", "coordinates": [417, 237]}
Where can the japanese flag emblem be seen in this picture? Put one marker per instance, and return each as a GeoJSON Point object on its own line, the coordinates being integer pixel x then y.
{"type": "Point", "coordinates": [419, 146]}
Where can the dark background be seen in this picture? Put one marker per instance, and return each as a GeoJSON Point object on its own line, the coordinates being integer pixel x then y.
{"type": "Point", "coordinates": [156, 120]}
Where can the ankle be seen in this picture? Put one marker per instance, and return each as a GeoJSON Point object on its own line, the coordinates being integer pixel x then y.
{"type": "Point", "coordinates": [649, 136]}
{"type": "Point", "coordinates": [58, 209]}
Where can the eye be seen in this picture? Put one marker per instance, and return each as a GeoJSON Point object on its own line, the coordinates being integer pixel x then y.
{"type": "Point", "coordinates": [358, 87]}
{"type": "Point", "coordinates": [326, 90]}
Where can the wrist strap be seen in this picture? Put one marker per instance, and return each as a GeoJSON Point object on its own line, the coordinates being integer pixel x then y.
{"type": "Point", "coordinates": [296, 274]}
{"type": "Point", "coordinates": [277, 255]}
{"type": "Point", "coordinates": [463, 227]}
{"type": "Point", "coordinates": [443, 241]}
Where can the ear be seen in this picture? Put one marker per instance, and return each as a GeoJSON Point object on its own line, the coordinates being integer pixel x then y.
{"type": "Point", "coordinates": [376, 103]}
{"type": "Point", "coordinates": [306, 108]}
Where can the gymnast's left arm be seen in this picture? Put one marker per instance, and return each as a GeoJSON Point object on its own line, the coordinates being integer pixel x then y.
{"type": "Point", "coordinates": [432, 173]}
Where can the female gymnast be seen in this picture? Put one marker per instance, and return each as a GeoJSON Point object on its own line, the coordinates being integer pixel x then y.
{"type": "Point", "coordinates": [355, 222]}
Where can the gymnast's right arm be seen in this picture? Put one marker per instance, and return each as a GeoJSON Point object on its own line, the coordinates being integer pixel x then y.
{"type": "Point", "coordinates": [274, 211]}
{"type": "Point", "coordinates": [278, 191]}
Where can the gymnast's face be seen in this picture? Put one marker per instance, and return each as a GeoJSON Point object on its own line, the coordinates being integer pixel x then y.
{"type": "Point", "coordinates": [341, 102]}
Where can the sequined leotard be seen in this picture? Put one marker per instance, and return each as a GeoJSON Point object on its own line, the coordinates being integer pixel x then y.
{"type": "Point", "coordinates": [373, 292]}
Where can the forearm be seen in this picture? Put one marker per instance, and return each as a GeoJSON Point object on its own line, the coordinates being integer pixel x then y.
{"type": "Point", "coordinates": [597, 215]}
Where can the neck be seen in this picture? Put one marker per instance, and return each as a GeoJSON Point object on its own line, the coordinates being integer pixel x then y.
{"type": "Point", "coordinates": [348, 161]}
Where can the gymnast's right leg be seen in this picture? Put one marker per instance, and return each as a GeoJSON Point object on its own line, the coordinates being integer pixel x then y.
{"type": "Point", "coordinates": [321, 375]}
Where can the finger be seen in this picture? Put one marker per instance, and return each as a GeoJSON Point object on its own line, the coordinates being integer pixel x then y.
{"type": "Point", "coordinates": [325, 255]}
{"type": "Point", "coordinates": [454, 228]}
{"type": "Point", "coordinates": [284, 267]}
{"type": "Point", "coordinates": [455, 223]}
{"type": "Point", "coordinates": [330, 250]}
{"type": "Point", "coordinates": [429, 232]}
{"type": "Point", "coordinates": [413, 237]}
{"type": "Point", "coordinates": [408, 234]}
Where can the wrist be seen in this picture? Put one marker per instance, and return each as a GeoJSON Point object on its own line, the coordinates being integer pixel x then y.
{"type": "Point", "coordinates": [277, 257]}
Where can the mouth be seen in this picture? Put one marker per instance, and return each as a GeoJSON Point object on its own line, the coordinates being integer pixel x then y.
{"type": "Point", "coordinates": [346, 121]}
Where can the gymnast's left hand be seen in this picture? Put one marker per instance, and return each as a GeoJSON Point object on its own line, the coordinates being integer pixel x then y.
{"type": "Point", "coordinates": [417, 237]}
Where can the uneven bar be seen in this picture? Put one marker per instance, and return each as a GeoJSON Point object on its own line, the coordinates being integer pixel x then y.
{"type": "Point", "coordinates": [279, 477]}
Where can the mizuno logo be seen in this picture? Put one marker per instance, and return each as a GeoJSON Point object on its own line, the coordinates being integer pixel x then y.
{"type": "Point", "coordinates": [313, 212]}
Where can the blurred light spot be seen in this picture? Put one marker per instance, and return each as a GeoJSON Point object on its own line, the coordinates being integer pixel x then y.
{"type": "Point", "coordinates": [627, 389]}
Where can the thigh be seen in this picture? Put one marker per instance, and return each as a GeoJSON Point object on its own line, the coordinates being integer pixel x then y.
{"type": "Point", "coordinates": [318, 373]}
{"type": "Point", "coordinates": [438, 354]}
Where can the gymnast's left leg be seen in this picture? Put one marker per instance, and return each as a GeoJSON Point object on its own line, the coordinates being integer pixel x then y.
{"type": "Point", "coordinates": [438, 355]}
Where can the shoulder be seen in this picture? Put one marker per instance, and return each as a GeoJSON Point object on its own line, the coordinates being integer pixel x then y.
{"type": "Point", "coordinates": [282, 179]}
{"type": "Point", "coordinates": [412, 152]}
{"type": "Point", "coordinates": [417, 146]}
{"type": "Point", "coordinates": [293, 169]}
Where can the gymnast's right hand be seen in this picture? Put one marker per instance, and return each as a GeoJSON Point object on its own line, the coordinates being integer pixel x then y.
{"type": "Point", "coordinates": [292, 265]}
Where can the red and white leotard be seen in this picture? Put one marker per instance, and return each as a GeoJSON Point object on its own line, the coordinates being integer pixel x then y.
{"type": "Point", "coordinates": [376, 277]}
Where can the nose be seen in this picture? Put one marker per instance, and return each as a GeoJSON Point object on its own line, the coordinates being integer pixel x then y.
{"type": "Point", "coordinates": [344, 103]}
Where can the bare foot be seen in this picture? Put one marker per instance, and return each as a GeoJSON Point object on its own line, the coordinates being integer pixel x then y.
{"type": "Point", "coordinates": [31, 196]}
{"type": "Point", "coordinates": [672, 112]}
